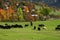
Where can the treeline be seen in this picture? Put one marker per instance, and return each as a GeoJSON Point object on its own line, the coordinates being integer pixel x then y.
{"type": "Point", "coordinates": [23, 11]}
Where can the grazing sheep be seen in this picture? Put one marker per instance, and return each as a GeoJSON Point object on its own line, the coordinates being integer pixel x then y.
{"type": "Point", "coordinates": [44, 28]}
{"type": "Point", "coordinates": [26, 25]}
{"type": "Point", "coordinates": [39, 29]}
{"type": "Point", "coordinates": [1, 26]}
{"type": "Point", "coordinates": [20, 26]}
{"type": "Point", "coordinates": [34, 28]}
{"type": "Point", "coordinates": [58, 27]}
{"type": "Point", "coordinates": [41, 25]}
{"type": "Point", "coordinates": [7, 26]}
{"type": "Point", "coordinates": [15, 26]}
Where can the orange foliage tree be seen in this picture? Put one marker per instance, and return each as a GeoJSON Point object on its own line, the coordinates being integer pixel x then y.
{"type": "Point", "coordinates": [2, 14]}
{"type": "Point", "coordinates": [10, 12]}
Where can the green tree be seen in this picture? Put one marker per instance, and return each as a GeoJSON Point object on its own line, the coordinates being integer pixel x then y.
{"type": "Point", "coordinates": [45, 11]}
{"type": "Point", "coordinates": [20, 14]}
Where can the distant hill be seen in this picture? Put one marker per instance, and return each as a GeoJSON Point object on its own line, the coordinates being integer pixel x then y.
{"type": "Point", "coordinates": [49, 2]}
{"type": "Point", "coordinates": [57, 3]}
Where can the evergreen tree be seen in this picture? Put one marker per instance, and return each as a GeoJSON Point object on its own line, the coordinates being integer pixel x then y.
{"type": "Point", "coordinates": [1, 5]}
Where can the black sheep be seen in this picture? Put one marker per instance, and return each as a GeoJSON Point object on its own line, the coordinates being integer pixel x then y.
{"type": "Point", "coordinates": [1, 26]}
{"type": "Point", "coordinates": [26, 25]}
{"type": "Point", "coordinates": [39, 29]}
{"type": "Point", "coordinates": [15, 26]}
{"type": "Point", "coordinates": [58, 27]}
{"type": "Point", "coordinates": [6, 26]}
{"type": "Point", "coordinates": [20, 26]}
{"type": "Point", "coordinates": [41, 25]}
{"type": "Point", "coordinates": [34, 28]}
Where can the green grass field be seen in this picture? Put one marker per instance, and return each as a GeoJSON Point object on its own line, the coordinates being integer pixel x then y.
{"type": "Point", "coordinates": [29, 34]}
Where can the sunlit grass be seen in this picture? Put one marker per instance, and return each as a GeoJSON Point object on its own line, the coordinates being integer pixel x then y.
{"type": "Point", "coordinates": [29, 34]}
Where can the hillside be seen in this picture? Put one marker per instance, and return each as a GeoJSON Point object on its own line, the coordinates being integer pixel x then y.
{"type": "Point", "coordinates": [49, 2]}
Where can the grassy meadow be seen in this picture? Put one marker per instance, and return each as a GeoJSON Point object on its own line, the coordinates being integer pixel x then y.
{"type": "Point", "coordinates": [27, 33]}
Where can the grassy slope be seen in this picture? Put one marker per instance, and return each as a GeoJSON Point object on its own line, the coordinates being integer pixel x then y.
{"type": "Point", "coordinates": [29, 34]}
{"type": "Point", "coordinates": [56, 13]}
